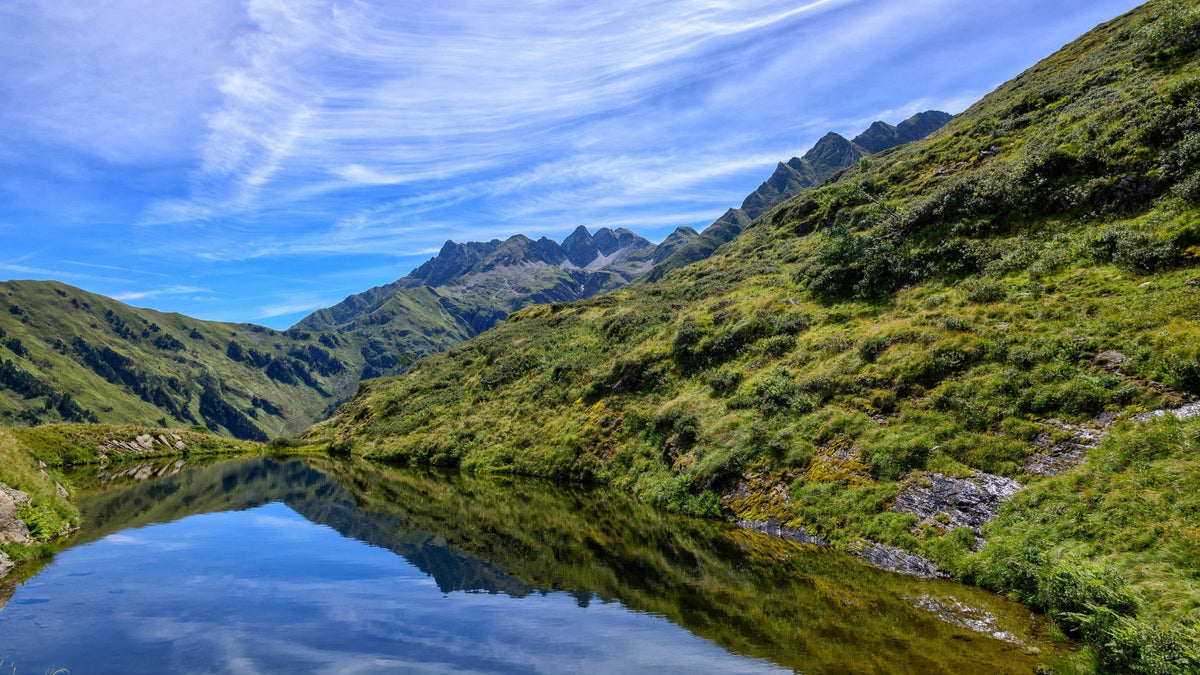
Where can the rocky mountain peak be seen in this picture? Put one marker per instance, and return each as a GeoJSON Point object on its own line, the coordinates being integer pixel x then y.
{"type": "Point", "coordinates": [579, 247]}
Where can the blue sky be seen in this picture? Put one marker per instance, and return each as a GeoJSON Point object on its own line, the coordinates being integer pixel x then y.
{"type": "Point", "coordinates": [253, 160]}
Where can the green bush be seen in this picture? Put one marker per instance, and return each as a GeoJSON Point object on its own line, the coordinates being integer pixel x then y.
{"type": "Point", "coordinates": [984, 291]}
{"type": "Point", "coordinates": [1132, 645]}
{"type": "Point", "coordinates": [723, 381]}
{"type": "Point", "coordinates": [1136, 250]}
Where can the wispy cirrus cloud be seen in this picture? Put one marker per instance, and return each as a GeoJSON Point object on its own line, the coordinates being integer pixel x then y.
{"type": "Point", "coordinates": [158, 292]}
{"type": "Point", "coordinates": [228, 144]}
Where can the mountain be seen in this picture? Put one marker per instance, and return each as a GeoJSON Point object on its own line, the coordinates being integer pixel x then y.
{"type": "Point", "coordinates": [881, 136]}
{"type": "Point", "coordinates": [828, 156]}
{"type": "Point", "coordinates": [70, 355]}
{"type": "Point", "coordinates": [468, 288]}
{"type": "Point", "coordinates": [946, 351]}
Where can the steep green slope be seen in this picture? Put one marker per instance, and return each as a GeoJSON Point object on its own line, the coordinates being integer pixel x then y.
{"type": "Point", "coordinates": [929, 311]}
{"type": "Point", "coordinates": [828, 156]}
{"type": "Point", "coordinates": [70, 355]}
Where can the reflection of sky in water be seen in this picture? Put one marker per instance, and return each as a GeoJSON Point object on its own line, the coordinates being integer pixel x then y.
{"type": "Point", "coordinates": [266, 590]}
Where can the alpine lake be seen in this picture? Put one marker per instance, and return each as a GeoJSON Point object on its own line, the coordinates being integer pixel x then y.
{"type": "Point", "coordinates": [315, 564]}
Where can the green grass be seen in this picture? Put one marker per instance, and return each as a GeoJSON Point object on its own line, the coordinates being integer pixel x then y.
{"type": "Point", "coordinates": [923, 311]}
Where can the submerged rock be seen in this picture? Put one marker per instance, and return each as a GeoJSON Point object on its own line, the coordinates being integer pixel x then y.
{"type": "Point", "coordinates": [972, 618]}
{"type": "Point", "coordinates": [775, 528]}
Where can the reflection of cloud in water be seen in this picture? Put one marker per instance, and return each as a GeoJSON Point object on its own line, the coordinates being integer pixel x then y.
{"type": "Point", "coordinates": [125, 539]}
{"type": "Point", "coordinates": [265, 590]}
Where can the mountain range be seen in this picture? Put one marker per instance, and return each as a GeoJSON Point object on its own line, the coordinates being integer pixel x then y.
{"type": "Point", "coordinates": [70, 355]}
{"type": "Point", "coordinates": [468, 288]}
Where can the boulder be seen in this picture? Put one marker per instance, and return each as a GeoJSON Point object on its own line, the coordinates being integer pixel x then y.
{"type": "Point", "coordinates": [12, 529]}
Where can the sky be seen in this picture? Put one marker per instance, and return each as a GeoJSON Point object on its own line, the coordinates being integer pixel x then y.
{"type": "Point", "coordinates": [254, 160]}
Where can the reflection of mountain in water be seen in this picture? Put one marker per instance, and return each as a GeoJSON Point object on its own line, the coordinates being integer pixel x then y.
{"type": "Point", "coordinates": [756, 596]}
{"type": "Point", "coordinates": [247, 484]}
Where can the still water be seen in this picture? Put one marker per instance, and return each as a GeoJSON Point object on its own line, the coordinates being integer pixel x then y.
{"type": "Point", "coordinates": [266, 565]}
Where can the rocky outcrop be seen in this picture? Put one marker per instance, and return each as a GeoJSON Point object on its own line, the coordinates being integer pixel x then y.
{"type": "Point", "coordinates": [6, 564]}
{"type": "Point", "coordinates": [12, 529]}
{"type": "Point", "coordinates": [1053, 458]}
{"type": "Point", "coordinates": [142, 445]}
{"type": "Point", "coordinates": [948, 502]}
{"type": "Point", "coordinates": [895, 559]}
{"type": "Point", "coordinates": [1183, 412]}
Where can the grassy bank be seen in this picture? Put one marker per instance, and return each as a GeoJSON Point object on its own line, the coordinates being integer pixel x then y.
{"type": "Point", "coordinates": [31, 460]}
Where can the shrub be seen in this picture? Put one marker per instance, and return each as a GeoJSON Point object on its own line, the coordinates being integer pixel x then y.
{"type": "Point", "coordinates": [872, 346]}
{"type": "Point", "coordinates": [984, 291]}
{"type": "Point", "coordinates": [723, 381]}
{"type": "Point", "coordinates": [1136, 250]}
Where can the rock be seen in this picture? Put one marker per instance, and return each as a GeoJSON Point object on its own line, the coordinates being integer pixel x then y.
{"type": "Point", "coordinates": [61, 491]}
{"type": "Point", "coordinates": [954, 502]}
{"type": "Point", "coordinates": [12, 529]}
{"type": "Point", "coordinates": [1184, 412]}
{"type": "Point", "coordinates": [1112, 359]}
{"type": "Point", "coordinates": [773, 527]}
{"type": "Point", "coordinates": [1052, 459]}
{"type": "Point", "coordinates": [972, 618]}
{"type": "Point", "coordinates": [895, 559]}
{"type": "Point", "coordinates": [6, 564]}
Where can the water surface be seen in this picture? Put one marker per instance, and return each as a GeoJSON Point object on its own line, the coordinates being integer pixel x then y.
{"type": "Point", "coordinates": [263, 565]}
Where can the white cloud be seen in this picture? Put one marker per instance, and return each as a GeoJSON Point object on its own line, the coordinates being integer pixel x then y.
{"type": "Point", "coordinates": [157, 292]}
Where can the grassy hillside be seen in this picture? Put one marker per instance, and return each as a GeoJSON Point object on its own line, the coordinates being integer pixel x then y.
{"type": "Point", "coordinates": [70, 355]}
{"type": "Point", "coordinates": [929, 310]}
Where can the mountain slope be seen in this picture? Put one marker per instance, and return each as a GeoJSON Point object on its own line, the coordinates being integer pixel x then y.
{"type": "Point", "coordinates": [828, 156]}
{"type": "Point", "coordinates": [468, 288]}
{"type": "Point", "coordinates": [925, 317]}
{"type": "Point", "coordinates": [70, 355]}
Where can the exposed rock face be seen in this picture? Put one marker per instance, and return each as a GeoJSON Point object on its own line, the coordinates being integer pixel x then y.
{"type": "Point", "coordinates": [773, 527]}
{"type": "Point", "coordinates": [6, 564]}
{"type": "Point", "coordinates": [1185, 412]}
{"type": "Point", "coordinates": [141, 445]}
{"type": "Point", "coordinates": [12, 529]}
{"type": "Point", "coordinates": [955, 502]}
{"type": "Point", "coordinates": [895, 559]}
{"type": "Point", "coordinates": [1052, 458]}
